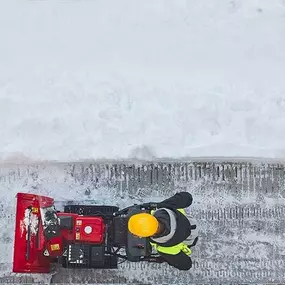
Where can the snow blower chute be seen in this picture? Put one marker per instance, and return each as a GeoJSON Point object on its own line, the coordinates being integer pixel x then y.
{"type": "Point", "coordinates": [29, 240]}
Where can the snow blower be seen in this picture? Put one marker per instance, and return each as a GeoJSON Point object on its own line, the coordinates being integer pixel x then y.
{"type": "Point", "coordinates": [81, 236]}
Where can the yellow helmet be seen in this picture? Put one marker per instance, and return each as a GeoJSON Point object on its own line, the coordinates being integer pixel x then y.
{"type": "Point", "coordinates": [143, 225]}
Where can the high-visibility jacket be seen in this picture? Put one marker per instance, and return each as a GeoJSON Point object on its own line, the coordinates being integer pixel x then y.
{"type": "Point", "coordinates": [175, 249]}
{"type": "Point", "coordinates": [172, 246]}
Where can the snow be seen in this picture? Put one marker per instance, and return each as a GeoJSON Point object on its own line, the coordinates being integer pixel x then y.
{"type": "Point", "coordinates": [151, 79]}
{"type": "Point", "coordinates": [31, 220]}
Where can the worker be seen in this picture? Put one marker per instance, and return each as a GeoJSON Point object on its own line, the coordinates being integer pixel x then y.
{"type": "Point", "coordinates": [171, 233]}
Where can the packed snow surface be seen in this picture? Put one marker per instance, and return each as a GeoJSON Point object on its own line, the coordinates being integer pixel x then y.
{"type": "Point", "coordinates": [145, 79]}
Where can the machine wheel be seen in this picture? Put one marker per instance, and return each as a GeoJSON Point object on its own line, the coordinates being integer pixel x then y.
{"type": "Point", "coordinates": [111, 262]}
{"type": "Point", "coordinates": [90, 210]}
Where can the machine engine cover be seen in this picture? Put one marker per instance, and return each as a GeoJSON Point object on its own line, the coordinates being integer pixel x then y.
{"type": "Point", "coordinates": [89, 229]}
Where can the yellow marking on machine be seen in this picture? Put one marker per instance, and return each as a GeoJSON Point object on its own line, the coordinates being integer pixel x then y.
{"type": "Point", "coordinates": [77, 236]}
{"type": "Point", "coordinates": [55, 247]}
{"type": "Point", "coordinates": [35, 210]}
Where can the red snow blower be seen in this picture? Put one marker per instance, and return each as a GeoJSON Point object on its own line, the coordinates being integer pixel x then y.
{"type": "Point", "coordinates": [81, 236]}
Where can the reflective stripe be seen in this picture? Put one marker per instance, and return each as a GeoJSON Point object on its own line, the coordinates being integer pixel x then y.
{"type": "Point", "coordinates": [173, 226]}
{"type": "Point", "coordinates": [194, 232]}
{"type": "Point", "coordinates": [173, 250]}
{"type": "Point", "coordinates": [182, 211]}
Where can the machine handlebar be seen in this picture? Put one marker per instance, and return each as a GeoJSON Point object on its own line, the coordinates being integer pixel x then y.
{"type": "Point", "coordinates": [147, 206]}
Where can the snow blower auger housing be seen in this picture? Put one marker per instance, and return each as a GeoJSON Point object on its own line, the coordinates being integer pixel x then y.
{"type": "Point", "coordinates": [82, 236]}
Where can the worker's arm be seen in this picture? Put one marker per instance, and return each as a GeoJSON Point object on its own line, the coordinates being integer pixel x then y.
{"type": "Point", "coordinates": [180, 261]}
{"type": "Point", "coordinates": [178, 201]}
